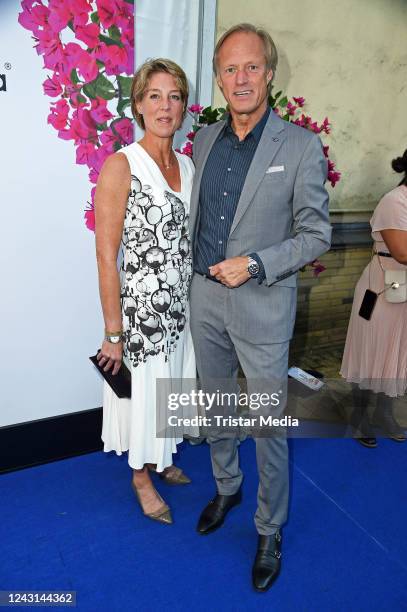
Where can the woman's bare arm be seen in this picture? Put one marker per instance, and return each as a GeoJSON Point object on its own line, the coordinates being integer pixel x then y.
{"type": "Point", "coordinates": [396, 242]}
{"type": "Point", "coordinates": [112, 191]}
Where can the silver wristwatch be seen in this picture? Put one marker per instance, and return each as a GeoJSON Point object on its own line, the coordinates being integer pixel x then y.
{"type": "Point", "coordinates": [253, 267]}
{"type": "Point", "coordinates": [114, 339]}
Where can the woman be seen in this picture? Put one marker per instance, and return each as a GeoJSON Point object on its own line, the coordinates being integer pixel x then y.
{"type": "Point", "coordinates": [142, 202]}
{"type": "Point", "coordinates": [375, 357]}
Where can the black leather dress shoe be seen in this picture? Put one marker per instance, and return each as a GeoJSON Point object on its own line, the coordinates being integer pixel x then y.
{"type": "Point", "coordinates": [267, 563]}
{"type": "Point", "coordinates": [215, 512]}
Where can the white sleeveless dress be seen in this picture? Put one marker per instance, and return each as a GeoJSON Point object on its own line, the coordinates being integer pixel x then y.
{"type": "Point", "coordinates": [155, 276]}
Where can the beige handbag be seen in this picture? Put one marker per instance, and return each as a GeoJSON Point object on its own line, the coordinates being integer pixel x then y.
{"type": "Point", "coordinates": [395, 283]}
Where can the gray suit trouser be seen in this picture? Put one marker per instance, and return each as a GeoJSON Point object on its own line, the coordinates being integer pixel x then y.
{"type": "Point", "coordinates": [218, 353]}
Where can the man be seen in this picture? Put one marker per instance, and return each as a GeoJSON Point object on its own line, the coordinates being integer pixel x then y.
{"type": "Point", "coordinates": [259, 212]}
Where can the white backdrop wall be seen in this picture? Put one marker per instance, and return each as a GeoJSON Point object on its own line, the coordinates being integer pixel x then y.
{"type": "Point", "coordinates": [184, 31]}
{"type": "Point", "coordinates": [49, 309]}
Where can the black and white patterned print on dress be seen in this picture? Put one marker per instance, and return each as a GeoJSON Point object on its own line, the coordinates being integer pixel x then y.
{"type": "Point", "coordinates": [155, 272]}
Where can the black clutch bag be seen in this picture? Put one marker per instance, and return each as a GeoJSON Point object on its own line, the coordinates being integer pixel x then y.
{"type": "Point", "coordinates": [120, 382]}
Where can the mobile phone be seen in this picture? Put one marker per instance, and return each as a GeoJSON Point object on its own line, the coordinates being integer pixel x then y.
{"type": "Point", "coordinates": [367, 305]}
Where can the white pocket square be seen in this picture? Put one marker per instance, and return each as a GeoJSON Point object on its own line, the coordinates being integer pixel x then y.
{"type": "Point", "coordinates": [271, 169]}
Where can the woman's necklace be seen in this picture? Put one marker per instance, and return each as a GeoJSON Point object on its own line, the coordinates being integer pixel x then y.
{"type": "Point", "coordinates": [164, 165]}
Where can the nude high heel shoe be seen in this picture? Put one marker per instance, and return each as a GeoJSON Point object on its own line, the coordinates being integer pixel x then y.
{"type": "Point", "coordinates": [162, 515]}
{"type": "Point", "coordinates": [173, 476]}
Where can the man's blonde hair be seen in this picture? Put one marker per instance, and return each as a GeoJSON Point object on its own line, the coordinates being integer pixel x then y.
{"type": "Point", "coordinates": [270, 51]}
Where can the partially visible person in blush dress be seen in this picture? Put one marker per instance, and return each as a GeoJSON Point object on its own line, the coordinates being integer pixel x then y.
{"type": "Point", "coordinates": [375, 355]}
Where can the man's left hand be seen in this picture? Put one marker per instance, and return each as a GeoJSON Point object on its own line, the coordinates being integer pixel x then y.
{"type": "Point", "coordinates": [231, 272]}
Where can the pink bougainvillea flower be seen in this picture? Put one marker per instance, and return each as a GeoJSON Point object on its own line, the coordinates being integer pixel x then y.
{"type": "Point", "coordinates": [114, 57]}
{"type": "Point", "coordinates": [52, 86]}
{"type": "Point", "coordinates": [50, 46]}
{"type": "Point", "coordinates": [107, 137]}
{"type": "Point", "coordinates": [276, 110]}
{"type": "Point", "coordinates": [123, 13]}
{"type": "Point", "coordinates": [33, 17]}
{"type": "Point", "coordinates": [82, 127]}
{"type": "Point", "coordinates": [90, 219]}
{"type": "Point", "coordinates": [326, 126]}
{"type": "Point", "coordinates": [129, 68]}
{"type": "Point", "coordinates": [84, 153]}
{"type": "Point", "coordinates": [77, 99]}
{"type": "Point", "coordinates": [317, 267]}
{"type": "Point", "coordinates": [59, 114]}
{"type": "Point", "coordinates": [334, 177]}
{"type": "Point", "coordinates": [93, 175]}
{"type": "Point", "coordinates": [106, 11]}
{"type": "Point", "coordinates": [314, 127]}
{"type": "Point", "coordinates": [191, 135]}
{"type": "Point", "coordinates": [99, 111]}
{"type": "Point", "coordinates": [89, 34]}
{"type": "Point", "coordinates": [300, 101]}
{"type": "Point", "coordinates": [300, 121]}
{"type": "Point", "coordinates": [128, 35]}
{"type": "Point", "coordinates": [76, 115]}
{"type": "Point", "coordinates": [59, 15]}
{"type": "Point", "coordinates": [326, 150]}
{"type": "Point", "coordinates": [80, 10]}
{"type": "Point", "coordinates": [85, 118]}
{"type": "Point", "coordinates": [63, 11]}
{"type": "Point", "coordinates": [124, 128]}
{"type": "Point", "coordinates": [195, 108]}
{"type": "Point", "coordinates": [291, 108]}
{"type": "Point", "coordinates": [84, 62]}
{"type": "Point", "coordinates": [87, 67]}
{"type": "Point", "coordinates": [99, 156]}
{"type": "Point", "coordinates": [187, 149]}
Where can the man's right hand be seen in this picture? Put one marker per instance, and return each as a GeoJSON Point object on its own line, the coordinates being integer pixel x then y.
{"type": "Point", "coordinates": [110, 355]}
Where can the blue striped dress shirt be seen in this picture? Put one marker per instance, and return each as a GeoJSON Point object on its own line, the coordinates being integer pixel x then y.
{"type": "Point", "coordinates": [222, 182]}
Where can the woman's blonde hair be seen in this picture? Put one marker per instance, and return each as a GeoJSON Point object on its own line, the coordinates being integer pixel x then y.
{"type": "Point", "coordinates": [144, 74]}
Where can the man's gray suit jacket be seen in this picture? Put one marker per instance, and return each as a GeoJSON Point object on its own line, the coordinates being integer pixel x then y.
{"type": "Point", "coordinates": [282, 215]}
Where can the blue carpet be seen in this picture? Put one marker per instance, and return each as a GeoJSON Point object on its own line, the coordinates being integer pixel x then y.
{"type": "Point", "coordinates": [75, 525]}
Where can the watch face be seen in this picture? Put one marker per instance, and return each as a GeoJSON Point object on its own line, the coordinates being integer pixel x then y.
{"type": "Point", "coordinates": [113, 339]}
{"type": "Point", "coordinates": [253, 268]}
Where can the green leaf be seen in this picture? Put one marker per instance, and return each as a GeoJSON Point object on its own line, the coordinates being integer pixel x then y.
{"type": "Point", "coordinates": [125, 85]}
{"type": "Point", "coordinates": [114, 33]}
{"type": "Point", "coordinates": [100, 87]}
{"type": "Point", "coordinates": [124, 103]}
{"type": "Point", "coordinates": [271, 101]}
{"type": "Point", "coordinates": [117, 146]}
{"type": "Point", "coordinates": [110, 41]}
{"type": "Point", "coordinates": [129, 1]}
{"type": "Point", "coordinates": [286, 117]}
{"type": "Point", "coordinates": [94, 17]}
{"type": "Point", "coordinates": [81, 99]}
{"type": "Point", "coordinates": [283, 102]}
{"type": "Point", "coordinates": [74, 77]}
